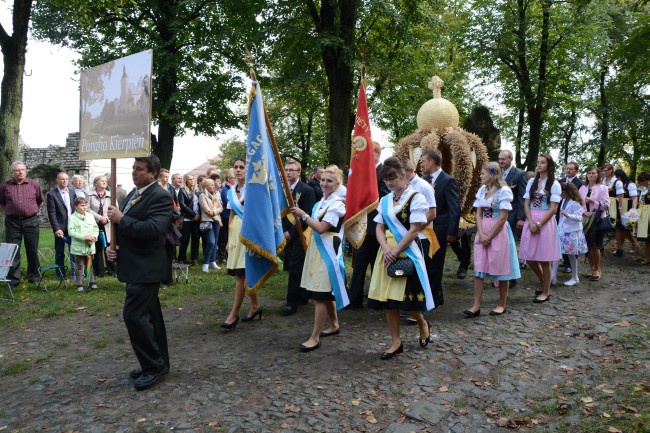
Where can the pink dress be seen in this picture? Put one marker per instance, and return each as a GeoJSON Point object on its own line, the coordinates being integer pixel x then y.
{"type": "Point", "coordinates": [543, 245]}
{"type": "Point", "coordinates": [498, 260]}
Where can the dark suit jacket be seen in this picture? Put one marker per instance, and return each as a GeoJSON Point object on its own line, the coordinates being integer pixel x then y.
{"type": "Point", "coordinates": [383, 190]}
{"type": "Point", "coordinates": [56, 210]}
{"type": "Point", "coordinates": [576, 181]}
{"type": "Point", "coordinates": [141, 237]}
{"type": "Point", "coordinates": [305, 202]}
{"type": "Point", "coordinates": [315, 185]}
{"type": "Point", "coordinates": [517, 181]}
{"type": "Point", "coordinates": [447, 207]}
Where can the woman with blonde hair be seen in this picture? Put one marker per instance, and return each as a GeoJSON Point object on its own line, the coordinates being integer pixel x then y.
{"type": "Point", "coordinates": [210, 204]}
{"type": "Point", "coordinates": [323, 274]}
{"type": "Point", "coordinates": [237, 250]}
{"type": "Point", "coordinates": [495, 251]}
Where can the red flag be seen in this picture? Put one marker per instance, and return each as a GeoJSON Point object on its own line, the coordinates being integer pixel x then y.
{"type": "Point", "coordinates": [362, 195]}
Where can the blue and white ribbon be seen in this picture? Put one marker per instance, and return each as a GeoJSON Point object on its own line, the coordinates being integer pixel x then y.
{"type": "Point", "coordinates": [235, 202]}
{"type": "Point", "coordinates": [333, 262]}
{"type": "Point", "coordinates": [398, 231]}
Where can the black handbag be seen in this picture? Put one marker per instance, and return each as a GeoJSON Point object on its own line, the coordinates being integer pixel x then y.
{"type": "Point", "coordinates": [606, 224]}
{"type": "Point", "coordinates": [401, 268]}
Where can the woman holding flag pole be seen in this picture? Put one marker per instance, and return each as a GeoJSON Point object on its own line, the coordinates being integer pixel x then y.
{"type": "Point", "coordinates": [237, 250]}
{"type": "Point", "coordinates": [323, 274]}
{"type": "Point", "coordinates": [401, 217]}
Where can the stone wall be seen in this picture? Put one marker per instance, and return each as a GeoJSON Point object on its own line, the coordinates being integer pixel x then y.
{"type": "Point", "coordinates": [43, 164]}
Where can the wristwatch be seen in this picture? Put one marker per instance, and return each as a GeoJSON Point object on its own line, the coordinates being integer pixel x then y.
{"type": "Point", "coordinates": [304, 217]}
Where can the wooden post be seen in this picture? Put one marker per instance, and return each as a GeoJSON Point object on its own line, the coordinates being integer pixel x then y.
{"type": "Point", "coordinates": [113, 187]}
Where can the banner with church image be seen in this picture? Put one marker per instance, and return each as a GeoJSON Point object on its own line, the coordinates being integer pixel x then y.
{"type": "Point", "coordinates": [115, 108]}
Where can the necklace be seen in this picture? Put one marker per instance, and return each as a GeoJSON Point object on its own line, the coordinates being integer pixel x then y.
{"type": "Point", "coordinates": [397, 199]}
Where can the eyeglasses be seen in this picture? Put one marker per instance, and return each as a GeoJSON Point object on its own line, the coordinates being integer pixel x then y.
{"type": "Point", "coordinates": [291, 169]}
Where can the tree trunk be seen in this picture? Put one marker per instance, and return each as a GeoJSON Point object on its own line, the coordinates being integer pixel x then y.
{"type": "Point", "coordinates": [14, 48]}
{"type": "Point", "coordinates": [520, 133]}
{"type": "Point", "coordinates": [338, 19]}
{"type": "Point", "coordinates": [604, 117]}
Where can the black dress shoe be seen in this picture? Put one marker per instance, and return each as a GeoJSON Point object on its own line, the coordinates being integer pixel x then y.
{"type": "Point", "coordinates": [134, 374]}
{"type": "Point", "coordinates": [257, 312]}
{"type": "Point", "coordinates": [469, 313]}
{"type": "Point", "coordinates": [496, 313]}
{"type": "Point", "coordinates": [232, 325]}
{"type": "Point", "coordinates": [147, 381]}
{"type": "Point", "coordinates": [329, 334]}
{"type": "Point", "coordinates": [304, 348]}
{"type": "Point", "coordinates": [462, 273]}
{"type": "Point", "coordinates": [539, 301]}
{"type": "Point", "coordinates": [289, 310]}
{"type": "Point", "coordinates": [388, 355]}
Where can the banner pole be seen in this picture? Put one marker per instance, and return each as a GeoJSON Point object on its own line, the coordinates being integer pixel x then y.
{"type": "Point", "coordinates": [113, 187]}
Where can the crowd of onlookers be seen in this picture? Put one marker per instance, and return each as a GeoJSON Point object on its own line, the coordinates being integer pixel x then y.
{"type": "Point", "coordinates": [603, 205]}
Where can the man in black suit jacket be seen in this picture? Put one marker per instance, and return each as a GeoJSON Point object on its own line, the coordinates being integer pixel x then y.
{"type": "Point", "coordinates": [516, 180]}
{"type": "Point", "coordinates": [447, 216]}
{"type": "Point", "coordinates": [367, 252]}
{"type": "Point", "coordinates": [141, 227]}
{"type": "Point", "coordinates": [294, 253]}
{"type": "Point", "coordinates": [314, 182]}
{"type": "Point", "coordinates": [60, 205]}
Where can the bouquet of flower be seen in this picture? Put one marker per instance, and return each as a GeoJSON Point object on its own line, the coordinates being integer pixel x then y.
{"type": "Point", "coordinates": [629, 219]}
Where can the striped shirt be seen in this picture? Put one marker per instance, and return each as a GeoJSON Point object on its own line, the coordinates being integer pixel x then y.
{"type": "Point", "coordinates": [21, 199]}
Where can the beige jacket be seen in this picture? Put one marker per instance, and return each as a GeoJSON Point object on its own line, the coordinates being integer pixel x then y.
{"type": "Point", "coordinates": [206, 204]}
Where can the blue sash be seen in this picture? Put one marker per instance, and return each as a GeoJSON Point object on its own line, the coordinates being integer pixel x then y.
{"type": "Point", "coordinates": [235, 203]}
{"type": "Point", "coordinates": [333, 262]}
{"type": "Point", "coordinates": [398, 231]}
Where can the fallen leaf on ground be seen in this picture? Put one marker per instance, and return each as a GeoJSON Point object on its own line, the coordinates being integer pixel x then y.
{"type": "Point", "coordinates": [213, 423]}
{"type": "Point", "coordinates": [371, 419]}
{"type": "Point", "coordinates": [624, 324]}
{"type": "Point", "coordinates": [101, 380]}
{"type": "Point", "coordinates": [293, 408]}
{"type": "Point", "coordinates": [81, 308]}
{"type": "Point", "coordinates": [443, 389]}
{"type": "Point", "coordinates": [141, 420]}
{"type": "Point", "coordinates": [503, 421]}
{"type": "Point", "coordinates": [586, 399]}
{"type": "Point", "coordinates": [606, 415]}
{"type": "Point", "coordinates": [356, 402]}
{"type": "Point", "coordinates": [613, 430]}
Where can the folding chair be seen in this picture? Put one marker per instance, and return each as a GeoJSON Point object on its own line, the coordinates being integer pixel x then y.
{"type": "Point", "coordinates": [7, 254]}
{"type": "Point", "coordinates": [182, 269]}
{"type": "Point", "coordinates": [47, 254]}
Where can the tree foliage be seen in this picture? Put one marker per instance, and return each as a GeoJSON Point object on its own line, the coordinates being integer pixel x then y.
{"type": "Point", "coordinates": [197, 50]}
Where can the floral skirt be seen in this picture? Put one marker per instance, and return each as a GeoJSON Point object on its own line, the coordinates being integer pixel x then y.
{"type": "Point", "coordinates": [573, 243]}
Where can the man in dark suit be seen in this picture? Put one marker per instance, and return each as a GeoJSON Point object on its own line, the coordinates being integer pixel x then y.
{"type": "Point", "coordinates": [571, 175]}
{"type": "Point", "coordinates": [515, 179]}
{"type": "Point", "coordinates": [314, 182]}
{"type": "Point", "coordinates": [447, 216]}
{"type": "Point", "coordinates": [367, 253]}
{"type": "Point", "coordinates": [60, 205]}
{"type": "Point", "coordinates": [141, 227]}
{"type": "Point", "coordinates": [294, 253]}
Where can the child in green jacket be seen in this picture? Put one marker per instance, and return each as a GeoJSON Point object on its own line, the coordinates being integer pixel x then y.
{"type": "Point", "coordinates": [83, 230]}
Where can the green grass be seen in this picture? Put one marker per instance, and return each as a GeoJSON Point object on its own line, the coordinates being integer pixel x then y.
{"type": "Point", "coordinates": [216, 288]}
{"type": "Point", "coordinates": [15, 368]}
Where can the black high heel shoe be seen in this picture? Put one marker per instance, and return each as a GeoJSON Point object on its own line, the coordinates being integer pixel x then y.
{"type": "Point", "coordinates": [388, 355]}
{"type": "Point", "coordinates": [424, 342]}
{"type": "Point", "coordinates": [232, 325]}
{"type": "Point", "coordinates": [258, 311]}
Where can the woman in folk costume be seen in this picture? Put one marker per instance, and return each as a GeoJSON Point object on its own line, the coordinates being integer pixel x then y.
{"type": "Point", "coordinates": [627, 199]}
{"type": "Point", "coordinates": [401, 216]}
{"type": "Point", "coordinates": [495, 251]}
{"type": "Point", "coordinates": [237, 251]}
{"type": "Point", "coordinates": [323, 274]}
{"type": "Point", "coordinates": [643, 225]}
{"type": "Point", "coordinates": [539, 241]}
